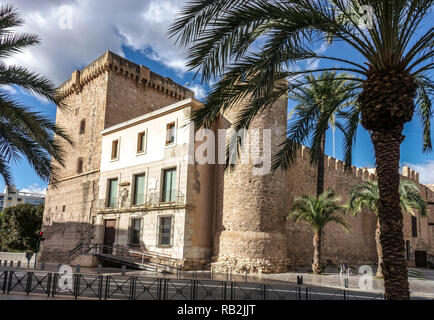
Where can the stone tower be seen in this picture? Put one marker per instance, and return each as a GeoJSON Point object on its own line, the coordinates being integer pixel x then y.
{"type": "Point", "coordinates": [109, 91]}
{"type": "Point", "coordinates": [251, 208]}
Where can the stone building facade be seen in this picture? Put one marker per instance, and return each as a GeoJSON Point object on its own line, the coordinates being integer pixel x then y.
{"type": "Point", "coordinates": [232, 218]}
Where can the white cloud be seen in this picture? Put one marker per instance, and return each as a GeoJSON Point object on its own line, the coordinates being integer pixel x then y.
{"type": "Point", "coordinates": [426, 171]}
{"type": "Point", "coordinates": [10, 90]}
{"type": "Point", "coordinates": [96, 26]}
{"type": "Point", "coordinates": [199, 91]}
{"type": "Point", "coordinates": [35, 188]}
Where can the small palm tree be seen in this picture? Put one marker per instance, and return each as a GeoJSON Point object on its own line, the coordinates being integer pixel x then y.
{"type": "Point", "coordinates": [366, 195]}
{"type": "Point", "coordinates": [320, 101]}
{"type": "Point", "coordinates": [318, 212]}
{"type": "Point", "coordinates": [23, 132]}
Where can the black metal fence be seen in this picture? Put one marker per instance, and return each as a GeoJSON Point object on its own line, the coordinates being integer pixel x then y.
{"type": "Point", "coordinates": [104, 287]}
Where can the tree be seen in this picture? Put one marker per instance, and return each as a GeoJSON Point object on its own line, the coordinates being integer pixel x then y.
{"type": "Point", "coordinates": [249, 48]}
{"type": "Point", "coordinates": [24, 133]}
{"type": "Point", "coordinates": [320, 102]}
{"type": "Point", "coordinates": [19, 225]}
{"type": "Point", "coordinates": [367, 195]}
{"type": "Point", "coordinates": [318, 212]}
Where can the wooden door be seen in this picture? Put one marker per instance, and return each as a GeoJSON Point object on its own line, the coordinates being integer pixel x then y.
{"type": "Point", "coordinates": [109, 235]}
{"type": "Point", "coordinates": [420, 259]}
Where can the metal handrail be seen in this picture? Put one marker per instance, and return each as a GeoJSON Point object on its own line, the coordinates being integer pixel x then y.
{"type": "Point", "coordinates": [151, 200]}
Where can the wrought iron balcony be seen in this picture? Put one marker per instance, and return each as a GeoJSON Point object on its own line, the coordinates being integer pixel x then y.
{"type": "Point", "coordinates": [151, 200]}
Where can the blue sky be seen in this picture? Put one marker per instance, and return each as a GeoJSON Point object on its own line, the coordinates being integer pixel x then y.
{"type": "Point", "coordinates": [138, 32]}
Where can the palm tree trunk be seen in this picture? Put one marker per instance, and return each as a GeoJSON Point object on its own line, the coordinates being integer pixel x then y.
{"type": "Point", "coordinates": [379, 249]}
{"type": "Point", "coordinates": [316, 265]}
{"type": "Point", "coordinates": [387, 152]}
{"type": "Point", "coordinates": [320, 172]}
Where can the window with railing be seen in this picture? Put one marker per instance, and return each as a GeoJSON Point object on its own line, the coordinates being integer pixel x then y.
{"type": "Point", "coordinates": [169, 185]}
{"type": "Point", "coordinates": [165, 231]}
{"type": "Point", "coordinates": [139, 189]}
{"type": "Point", "coordinates": [112, 193]}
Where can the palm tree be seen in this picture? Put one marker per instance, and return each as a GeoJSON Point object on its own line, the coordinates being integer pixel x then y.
{"type": "Point", "coordinates": [367, 195]}
{"type": "Point", "coordinates": [24, 132]}
{"type": "Point", "coordinates": [320, 101]}
{"type": "Point", "coordinates": [318, 212]}
{"type": "Point", "coordinates": [250, 48]}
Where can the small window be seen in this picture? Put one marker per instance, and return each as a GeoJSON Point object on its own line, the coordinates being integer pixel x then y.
{"type": "Point", "coordinates": [115, 149]}
{"type": "Point", "coordinates": [169, 184]}
{"type": "Point", "coordinates": [170, 134]}
{"type": "Point", "coordinates": [63, 208]}
{"type": "Point", "coordinates": [9, 198]}
{"type": "Point", "coordinates": [407, 249]}
{"type": "Point", "coordinates": [19, 199]}
{"type": "Point", "coordinates": [141, 142]}
{"type": "Point", "coordinates": [165, 231]}
{"type": "Point", "coordinates": [414, 226]}
{"type": "Point", "coordinates": [82, 126]}
{"type": "Point", "coordinates": [80, 165]}
{"type": "Point", "coordinates": [136, 227]}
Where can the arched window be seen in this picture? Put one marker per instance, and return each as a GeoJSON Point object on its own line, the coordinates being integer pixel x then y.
{"type": "Point", "coordinates": [82, 126]}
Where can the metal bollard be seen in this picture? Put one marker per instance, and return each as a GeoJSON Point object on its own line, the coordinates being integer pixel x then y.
{"type": "Point", "coordinates": [124, 269]}
{"type": "Point", "coordinates": [19, 264]}
{"type": "Point", "coordinates": [42, 265]}
{"type": "Point", "coordinates": [346, 283]}
{"type": "Point", "coordinates": [299, 280]}
{"type": "Point", "coordinates": [11, 265]}
{"type": "Point", "coordinates": [99, 270]}
{"type": "Point", "coordinates": [77, 268]}
{"type": "Point", "coordinates": [5, 263]}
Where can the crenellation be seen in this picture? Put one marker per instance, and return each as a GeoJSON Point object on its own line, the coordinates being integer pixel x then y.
{"type": "Point", "coordinates": [110, 62]}
{"type": "Point", "coordinates": [365, 174]}
{"type": "Point", "coordinates": [339, 166]}
{"type": "Point", "coordinates": [331, 163]}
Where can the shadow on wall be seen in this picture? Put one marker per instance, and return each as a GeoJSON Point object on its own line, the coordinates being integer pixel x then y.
{"type": "Point", "coordinates": [61, 238]}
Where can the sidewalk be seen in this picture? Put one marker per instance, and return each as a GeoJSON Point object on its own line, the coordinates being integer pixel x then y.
{"type": "Point", "coordinates": [421, 281]}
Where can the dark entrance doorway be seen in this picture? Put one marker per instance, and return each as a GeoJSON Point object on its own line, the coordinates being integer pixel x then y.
{"type": "Point", "coordinates": [109, 235]}
{"type": "Point", "coordinates": [420, 259]}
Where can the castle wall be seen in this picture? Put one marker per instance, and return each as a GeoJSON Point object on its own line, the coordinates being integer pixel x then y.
{"type": "Point", "coordinates": [354, 247]}
{"type": "Point", "coordinates": [358, 246]}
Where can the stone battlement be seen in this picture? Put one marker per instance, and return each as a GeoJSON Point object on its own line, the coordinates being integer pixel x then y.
{"type": "Point", "coordinates": [110, 62]}
{"type": "Point", "coordinates": [331, 163]}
